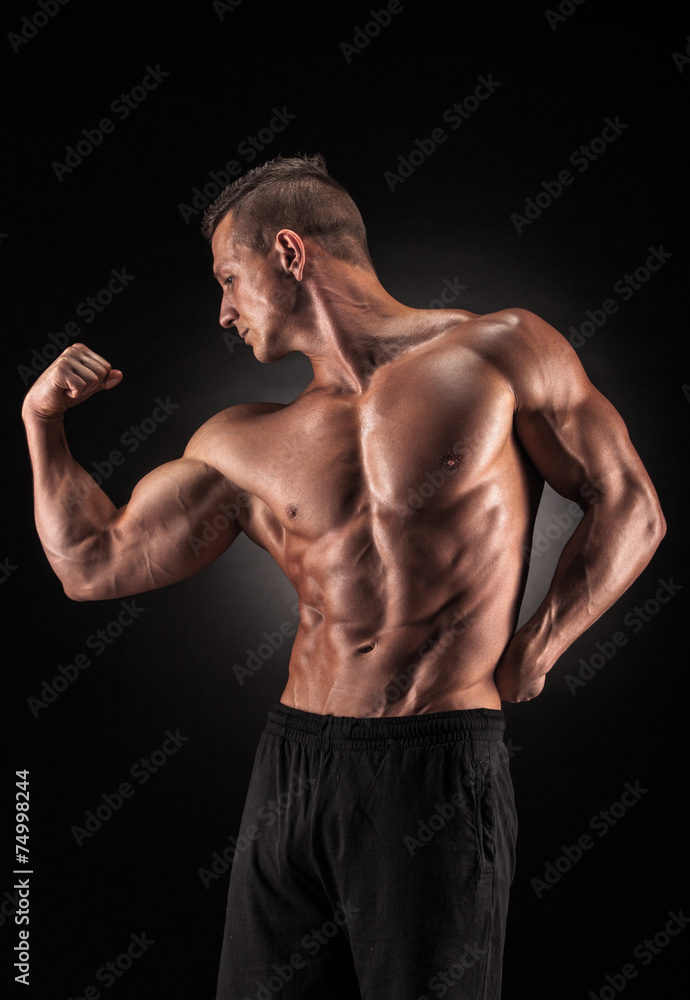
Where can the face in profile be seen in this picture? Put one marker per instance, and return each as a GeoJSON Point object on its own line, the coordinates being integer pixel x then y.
{"type": "Point", "coordinates": [258, 293]}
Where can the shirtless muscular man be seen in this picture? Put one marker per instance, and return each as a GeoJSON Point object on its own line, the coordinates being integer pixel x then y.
{"type": "Point", "coordinates": [390, 865]}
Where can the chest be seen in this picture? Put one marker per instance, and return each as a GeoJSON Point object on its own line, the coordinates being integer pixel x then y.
{"type": "Point", "coordinates": [327, 458]}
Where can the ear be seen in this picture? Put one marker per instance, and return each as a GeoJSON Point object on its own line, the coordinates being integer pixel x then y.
{"type": "Point", "coordinates": [292, 252]}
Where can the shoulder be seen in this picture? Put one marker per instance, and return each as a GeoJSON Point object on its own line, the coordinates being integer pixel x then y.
{"type": "Point", "coordinates": [499, 334]}
{"type": "Point", "coordinates": [532, 356]}
{"type": "Point", "coordinates": [219, 430]}
{"type": "Point", "coordinates": [517, 329]}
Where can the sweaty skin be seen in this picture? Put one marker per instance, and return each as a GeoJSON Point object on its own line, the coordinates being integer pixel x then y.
{"type": "Point", "coordinates": [397, 492]}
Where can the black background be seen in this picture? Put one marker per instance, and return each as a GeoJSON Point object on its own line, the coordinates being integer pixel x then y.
{"type": "Point", "coordinates": [172, 667]}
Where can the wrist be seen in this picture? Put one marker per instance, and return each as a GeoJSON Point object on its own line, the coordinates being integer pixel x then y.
{"type": "Point", "coordinates": [32, 415]}
{"type": "Point", "coordinates": [534, 644]}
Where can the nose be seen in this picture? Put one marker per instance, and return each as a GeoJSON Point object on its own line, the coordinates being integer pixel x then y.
{"type": "Point", "coordinates": [228, 314]}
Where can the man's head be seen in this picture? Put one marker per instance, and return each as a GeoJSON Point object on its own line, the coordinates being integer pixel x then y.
{"type": "Point", "coordinates": [295, 193]}
{"type": "Point", "coordinates": [282, 236]}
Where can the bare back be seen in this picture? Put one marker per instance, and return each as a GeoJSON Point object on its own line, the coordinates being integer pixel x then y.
{"type": "Point", "coordinates": [400, 515]}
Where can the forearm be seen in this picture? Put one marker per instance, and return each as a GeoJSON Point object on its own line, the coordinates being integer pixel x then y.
{"type": "Point", "coordinates": [98, 552]}
{"type": "Point", "coordinates": [69, 508]}
{"type": "Point", "coordinates": [610, 547]}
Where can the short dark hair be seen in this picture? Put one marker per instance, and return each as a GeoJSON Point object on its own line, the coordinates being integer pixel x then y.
{"type": "Point", "coordinates": [294, 193]}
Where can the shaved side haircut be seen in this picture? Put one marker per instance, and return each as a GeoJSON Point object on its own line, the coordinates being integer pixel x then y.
{"type": "Point", "coordinates": [294, 193]}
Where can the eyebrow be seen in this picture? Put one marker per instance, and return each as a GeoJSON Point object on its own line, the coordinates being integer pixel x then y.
{"type": "Point", "coordinates": [226, 262]}
{"type": "Point", "coordinates": [225, 266]}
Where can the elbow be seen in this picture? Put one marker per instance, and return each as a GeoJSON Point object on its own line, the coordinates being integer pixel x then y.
{"type": "Point", "coordinates": [82, 589]}
{"type": "Point", "coordinates": [84, 578]}
{"type": "Point", "coordinates": [652, 524]}
{"type": "Point", "coordinates": [95, 587]}
{"type": "Point", "coordinates": [635, 508]}
{"type": "Point", "coordinates": [657, 525]}
{"type": "Point", "coordinates": [77, 594]}
{"type": "Point", "coordinates": [73, 581]}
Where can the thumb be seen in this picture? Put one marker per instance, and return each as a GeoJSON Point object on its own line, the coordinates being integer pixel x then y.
{"type": "Point", "coordinates": [112, 378]}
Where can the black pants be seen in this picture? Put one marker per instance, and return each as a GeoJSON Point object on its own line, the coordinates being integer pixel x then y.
{"type": "Point", "coordinates": [374, 860]}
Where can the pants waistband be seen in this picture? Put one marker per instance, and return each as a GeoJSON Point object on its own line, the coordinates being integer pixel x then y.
{"type": "Point", "coordinates": [400, 730]}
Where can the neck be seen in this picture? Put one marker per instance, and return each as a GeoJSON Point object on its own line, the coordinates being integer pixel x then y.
{"type": "Point", "coordinates": [348, 325]}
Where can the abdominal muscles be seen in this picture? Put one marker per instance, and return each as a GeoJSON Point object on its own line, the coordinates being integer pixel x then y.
{"type": "Point", "coordinates": [405, 614]}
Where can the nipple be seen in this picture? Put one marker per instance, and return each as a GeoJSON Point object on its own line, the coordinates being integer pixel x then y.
{"type": "Point", "coordinates": [291, 511]}
{"type": "Point", "coordinates": [450, 460]}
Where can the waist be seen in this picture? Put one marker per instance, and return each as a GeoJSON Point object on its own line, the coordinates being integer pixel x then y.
{"type": "Point", "coordinates": [455, 674]}
{"type": "Point", "coordinates": [402, 730]}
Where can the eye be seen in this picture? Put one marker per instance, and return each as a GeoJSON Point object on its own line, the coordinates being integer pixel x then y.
{"type": "Point", "coordinates": [229, 279]}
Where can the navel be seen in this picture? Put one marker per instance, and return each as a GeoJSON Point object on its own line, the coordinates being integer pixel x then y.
{"type": "Point", "coordinates": [367, 648]}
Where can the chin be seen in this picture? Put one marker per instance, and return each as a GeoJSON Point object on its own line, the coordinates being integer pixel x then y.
{"type": "Point", "coordinates": [263, 357]}
{"type": "Point", "coordinates": [267, 355]}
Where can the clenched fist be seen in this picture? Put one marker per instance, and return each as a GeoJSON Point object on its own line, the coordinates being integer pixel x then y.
{"type": "Point", "coordinates": [519, 675]}
{"type": "Point", "coordinates": [77, 374]}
